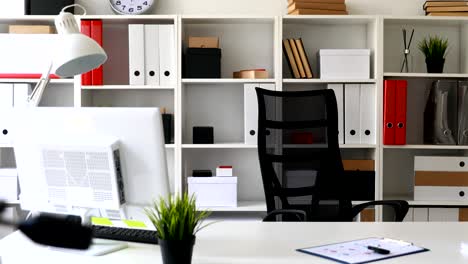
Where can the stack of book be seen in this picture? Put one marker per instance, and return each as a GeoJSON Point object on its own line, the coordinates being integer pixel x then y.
{"type": "Point", "coordinates": [317, 7]}
{"type": "Point", "coordinates": [446, 8]}
{"type": "Point", "coordinates": [297, 58]}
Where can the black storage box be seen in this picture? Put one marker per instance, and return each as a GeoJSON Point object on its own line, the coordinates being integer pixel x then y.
{"type": "Point", "coordinates": [202, 63]}
{"type": "Point", "coordinates": [203, 135]}
{"type": "Point", "coordinates": [46, 7]}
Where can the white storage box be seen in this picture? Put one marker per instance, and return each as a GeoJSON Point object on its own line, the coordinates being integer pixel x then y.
{"type": "Point", "coordinates": [214, 191]}
{"type": "Point", "coordinates": [224, 171]}
{"type": "Point", "coordinates": [8, 184]}
{"type": "Point", "coordinates": [344, 64]}
{"type": "Point", "coordinates": [441, 178]}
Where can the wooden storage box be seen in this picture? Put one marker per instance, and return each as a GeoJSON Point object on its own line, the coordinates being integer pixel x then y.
{"type": "Point", "coordinates": [203, 42]}
{"type": "Point", "coordinates": [441, 178]}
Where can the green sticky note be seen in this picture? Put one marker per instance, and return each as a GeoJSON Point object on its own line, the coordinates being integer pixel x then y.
{"type": "Point", "coordinates": [133, 223]}
{"type": "Point", "coordinates": [101, 221]}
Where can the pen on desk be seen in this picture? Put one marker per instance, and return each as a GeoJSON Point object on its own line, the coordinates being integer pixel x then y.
{"type": "Point", "coordinates": [379, 250]}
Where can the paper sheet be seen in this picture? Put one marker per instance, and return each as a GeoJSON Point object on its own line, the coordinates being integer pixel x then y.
{"type": "Point", "coordinates": [356, 252]}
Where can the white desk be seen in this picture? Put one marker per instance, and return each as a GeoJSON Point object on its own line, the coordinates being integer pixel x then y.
{"type": "Point", "coordinates": [273, 243]}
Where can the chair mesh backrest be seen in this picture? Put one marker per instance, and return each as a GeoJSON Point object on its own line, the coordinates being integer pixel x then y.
{"type": "Point", "coordinates": [298, 149]}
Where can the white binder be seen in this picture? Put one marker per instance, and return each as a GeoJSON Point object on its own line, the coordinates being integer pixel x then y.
{"type": "Point", "coordinates": [151, 54]}
{"type": "Point", "coordinates": [338, 89]}
{"type": "Point", "coordinates": [136, 52]}
{"type": "Point", "coordinates": [251, 111]}
{"type": "Point", "coordinates": [6, 103]}
{"type": "Point", "coordinates": [368, 114]}
{"type": "Point", "coordinates": [6, 95]}
{"type": "Point", "coordinates": [167, 55]}
{"type": "Point", "coordinates": [20, 94]}
{"type": "Point", "coordinates": [352, 113]}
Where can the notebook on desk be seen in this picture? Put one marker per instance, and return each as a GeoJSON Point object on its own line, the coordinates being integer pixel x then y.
{"type": "Point", "coordinates": [358, 252]}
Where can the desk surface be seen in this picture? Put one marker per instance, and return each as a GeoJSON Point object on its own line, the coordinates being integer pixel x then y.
{"type": "Point", "coordinates": [273, 243]}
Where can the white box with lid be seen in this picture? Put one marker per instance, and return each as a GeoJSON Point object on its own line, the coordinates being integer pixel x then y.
{"type": "Point", "coordinates": [8, 184]}
{"type": "Point", "coordinates": [214, 191]}
{"type": "Point", "coordinates": [344, 63]}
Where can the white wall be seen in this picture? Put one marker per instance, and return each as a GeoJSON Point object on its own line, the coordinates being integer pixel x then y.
{"type": "Point", "coordinates": [261, 7]}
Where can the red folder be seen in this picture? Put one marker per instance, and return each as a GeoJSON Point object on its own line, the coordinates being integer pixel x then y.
{"type": "Point", "coordinates": [96, 34]}
{"type": "Point", "coordinates": [389, 112]}
{"type": "Point", "coordinates": [400, 108]}
{"type": "Point", "coordinates": [86, 78]}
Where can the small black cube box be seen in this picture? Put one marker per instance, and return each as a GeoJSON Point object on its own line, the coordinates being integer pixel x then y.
{"type": "Point", "coordinates": [202, 173]}
{"type": "Point", "coordinates": [46, 7]}
{"type": "Point", "coordinates": [203, 63]}
{"type": "Point", "coordinates": [203, 135]}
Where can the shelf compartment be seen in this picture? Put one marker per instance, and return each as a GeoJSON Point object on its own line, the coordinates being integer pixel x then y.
{"type": "Point", "coordinates": [246, 42]}
{"type": "Point", "coordinates": [336, 32]}
{"type": "Point", "coordinates": [307, 81]}
{"type": "Point", "coordinates": [226, 81]}
{"type": "Point", "coordinates": [454, 29]}
{"type": "Point", "coordinates": [126, 87]}
{"type": "Point", "coordinates": [245, 165]}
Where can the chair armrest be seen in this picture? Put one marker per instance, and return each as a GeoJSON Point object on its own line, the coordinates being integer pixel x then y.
{"type": "Point", "coordinates": [298, 214]}
{"type": "Point", "coordinates": [399, 206]}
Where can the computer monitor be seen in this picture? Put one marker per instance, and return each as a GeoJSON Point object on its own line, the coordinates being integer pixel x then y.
{"type": "Point", "coordinates": [69, 157]}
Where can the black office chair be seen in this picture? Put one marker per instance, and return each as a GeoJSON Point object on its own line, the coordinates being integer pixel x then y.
{"type": "Point", "coordinates": [300, 159]}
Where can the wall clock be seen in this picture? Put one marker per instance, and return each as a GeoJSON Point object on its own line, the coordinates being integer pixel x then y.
{"type": "Point", "coordinates": [131, 7]}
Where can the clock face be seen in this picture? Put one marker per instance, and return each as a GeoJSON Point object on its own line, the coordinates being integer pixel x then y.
{"type": "Point", "coordinates": [131, 7]}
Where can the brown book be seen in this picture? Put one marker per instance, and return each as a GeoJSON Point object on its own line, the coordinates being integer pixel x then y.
{"type": "Point", "coordinates": [316, 6]}
{"type": "Point", "coordinates": [290, 58]}
{"type": "Point", "coordinates": [31, 29]}
{"type": "Point", "coordinates": [447, 9]}
{"type": "Point", "coordinates": [448, 14]}
{"type": "Point", "coordinates": [304, 59]}
{"type": "Point", "coordinates": [317, 12]}
{"type": "Point", "coordinates": [317, 1]}
{"type": "Point", "coordinates": [297, 58]}
{"type": "Point", "coordinates": [444, 3]}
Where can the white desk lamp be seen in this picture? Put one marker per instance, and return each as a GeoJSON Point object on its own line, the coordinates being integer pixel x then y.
{"type": "Point", "coordinates": [75, 55]}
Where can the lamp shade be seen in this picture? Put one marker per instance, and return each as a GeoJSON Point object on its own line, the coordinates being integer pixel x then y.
{"type": "Point", "coordinates": [77, 54]}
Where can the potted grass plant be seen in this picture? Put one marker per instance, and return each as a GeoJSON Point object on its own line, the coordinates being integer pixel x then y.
{"type": "Point", "coordinates": [177, 222]}
{"type": "Point", "coordinates": [434, 49]}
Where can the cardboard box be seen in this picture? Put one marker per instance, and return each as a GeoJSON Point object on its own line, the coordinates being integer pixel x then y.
{"type": "Point", "coordinates": [31, 29]}
{"type": "Point", "coordinates": [214, 191]}
{"type": "Point", "coordinates": [344, 64]}
{"type": "Point", "coordinates": [203, 42]}
{"type": "Point", "coordinates": [8, 184]}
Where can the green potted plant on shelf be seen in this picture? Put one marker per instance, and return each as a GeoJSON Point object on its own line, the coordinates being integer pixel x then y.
{"type": "Point", "coordinates": [177, 221]}
{"type": "Point", "coordinates": [435, 50]}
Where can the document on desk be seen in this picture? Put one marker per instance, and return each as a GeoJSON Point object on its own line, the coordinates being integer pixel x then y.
{"type": "Point", "coordinates": [357, 251]}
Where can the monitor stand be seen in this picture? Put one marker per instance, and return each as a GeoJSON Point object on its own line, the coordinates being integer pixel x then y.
{"type": "Point", "coordinates": [99, 247]}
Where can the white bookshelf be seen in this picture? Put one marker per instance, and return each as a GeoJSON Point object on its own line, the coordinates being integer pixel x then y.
{"type": "Point", "coordinates": [256, 42]}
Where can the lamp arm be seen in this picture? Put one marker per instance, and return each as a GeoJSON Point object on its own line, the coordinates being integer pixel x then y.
{"type": "Point", "coordinates": [35, 98]}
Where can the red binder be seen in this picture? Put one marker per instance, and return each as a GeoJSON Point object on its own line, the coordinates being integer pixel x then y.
{"type": "Point", "coordinates": [96, 34]}
{"type": "Point", "coordinates": [389, 112]}
{"type": "Point", "coordinates": [86, 78]}
{"type": "Point", "coordinates": [400, 108]}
